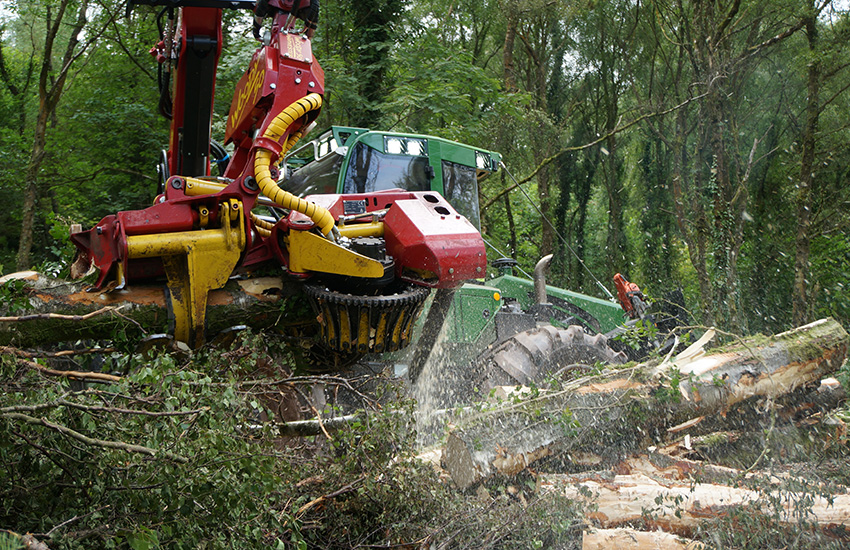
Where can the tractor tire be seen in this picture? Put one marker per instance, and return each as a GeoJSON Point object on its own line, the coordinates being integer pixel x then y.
{"type": "Point", "coordinates": [547, 351]}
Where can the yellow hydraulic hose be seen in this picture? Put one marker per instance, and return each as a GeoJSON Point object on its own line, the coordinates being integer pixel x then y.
{"type": "Point", "coordinates": [263, 160]}
{"type": "Point", "coordinates": [263, 227]}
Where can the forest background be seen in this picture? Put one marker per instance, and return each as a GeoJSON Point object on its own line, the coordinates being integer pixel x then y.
{"type": "Point", "coordinates": [689, 143]}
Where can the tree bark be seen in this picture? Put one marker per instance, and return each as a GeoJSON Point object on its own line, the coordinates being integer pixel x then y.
{"type": "Point", "coordinates": [611, 173]}
{"type": "Point", "coordinates": [622, 411]}
{"type": "Point", "coordinates": [511, 225]}
{"type": "Point", "coordinates": [807, 161]}
{"type": "Point", "coordinates": [508, 50]}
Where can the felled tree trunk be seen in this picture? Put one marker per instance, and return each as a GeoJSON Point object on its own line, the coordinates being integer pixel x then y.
{"type": "Point", "coordinates": [605, 539]}
{"type": "Point", "coordinates": [623, 411]}
{"type": "Point", "coordinates": [681, 506]}
{"type": "Point", "coordinates": [57, 311]}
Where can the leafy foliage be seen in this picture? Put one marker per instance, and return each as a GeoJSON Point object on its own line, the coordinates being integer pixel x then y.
{"type": "Point", "coordinates": [205, 463]}
{"type": "Point", "coordinates": [173, 456]}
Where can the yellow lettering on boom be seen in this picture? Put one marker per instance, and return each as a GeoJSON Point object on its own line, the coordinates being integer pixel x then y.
{"type": "Point", "coordinates": [247, 94]}
{"type": "Point", "coordinates": [294, 47]}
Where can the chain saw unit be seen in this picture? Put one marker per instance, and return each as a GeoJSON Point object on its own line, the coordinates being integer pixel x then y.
{"type": "Point", "coordinates": [366, 261]}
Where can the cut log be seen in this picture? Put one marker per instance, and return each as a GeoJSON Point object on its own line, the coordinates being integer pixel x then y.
{"type": "Point", "coordinates": [624, 411]}
{"type": "Point", "coordinates": [55, 309]}
{"type": "Point", "coordinates": [680, 507]}
{"type": "Point", "coordinates": [630, 539]}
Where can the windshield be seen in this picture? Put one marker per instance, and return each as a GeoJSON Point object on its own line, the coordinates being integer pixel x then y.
{"type": "Point", "coordinates": [370, 170]}
{"type": "Point", "coordinates": [316, 178]}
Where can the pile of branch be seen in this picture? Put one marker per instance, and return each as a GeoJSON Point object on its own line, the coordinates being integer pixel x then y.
{"type": "Point", "coordinates": [631, 431]}
{"type": "Point", "coordinates": [663, 497]}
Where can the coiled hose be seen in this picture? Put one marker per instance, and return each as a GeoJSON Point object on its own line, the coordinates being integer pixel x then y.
{"type": "Point", "coordinates": [263, 160]}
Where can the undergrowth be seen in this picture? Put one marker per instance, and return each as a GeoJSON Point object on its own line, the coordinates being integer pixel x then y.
{"type": "Point", "coordinates": [216, 473]}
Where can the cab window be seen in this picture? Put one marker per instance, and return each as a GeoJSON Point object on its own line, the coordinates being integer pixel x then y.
{"type": "Point", "coordinates": [370, 170]}
{"type": "Point", "coordinates": [460, 187]}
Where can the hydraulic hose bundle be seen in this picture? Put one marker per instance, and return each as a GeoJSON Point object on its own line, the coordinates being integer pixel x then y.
{"type": "Point", "coordinates": [265, 156]}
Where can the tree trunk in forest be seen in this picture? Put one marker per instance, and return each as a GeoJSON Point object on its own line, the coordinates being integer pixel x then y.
{"type": "Point", "coordinates": [689, 215]}
{"type": "Point", "coordinates": [728, 195]}
{"type": "Point", "coordinates": [804, 189]}
{"type": "Point", "coordinates": [547, 230]}
{"type": "Point", "coordinates": [31, 184]}
{"type": "Point", "coordinates": [583, 192]}
{"type": "Point", "coordinates": [512, 18]}
{"type": "Point", "coordinates": [616, 237]}
{"type": "Point", "coordinates": [51, 85]}
{"type": "Point", "coordinates": [511, 227]}
{"type": "Point", "coordinates": [542, 140]}
{"type": "Point", "coordinates": [766, 253]}
{"type": "Point", "coordinates": [622, 411]}
{"type": "Point", "coordinates": [659, 257]}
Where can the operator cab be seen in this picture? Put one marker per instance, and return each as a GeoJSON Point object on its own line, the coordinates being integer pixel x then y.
{"type": "Point", "coordinates": [357, 160]}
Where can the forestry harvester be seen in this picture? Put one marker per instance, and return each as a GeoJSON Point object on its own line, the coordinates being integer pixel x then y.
{"type": "Point", "coordinates": [364, 224]}
{"type": "Point", "coordinates": [385, 247]}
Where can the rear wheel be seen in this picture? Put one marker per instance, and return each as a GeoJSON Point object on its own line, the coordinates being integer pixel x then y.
{"type": "Point", "coordinates": [531, 356]}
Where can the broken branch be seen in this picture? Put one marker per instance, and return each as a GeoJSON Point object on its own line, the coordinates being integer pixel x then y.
{"type": "Point", "coordinates": [120, 445]}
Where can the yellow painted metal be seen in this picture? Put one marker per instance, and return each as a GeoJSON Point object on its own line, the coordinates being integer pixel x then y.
{"type": "Point", "coordinates": [119, 276]}
{"type": "Point", "coordinates": [327, 321]}
{"type": "Point", "coordinates": [344, 328]}
{"type": "Point", "coordinates": [195, 263]}
{"type": "Point", "coordinates": [381, 331]}
{"type": "Point", "coordinates": [309, 252]}
{"type": "Point", "coordinates": [405, 335]}
{"type": "Point", "coordinates": [371, 229]}
{"type": "Point", "coordinates": [396, 335]}
{"type": "Point", "coordinates": [196, 187]}
{"type": "Point", "coordinates": [363, 331]}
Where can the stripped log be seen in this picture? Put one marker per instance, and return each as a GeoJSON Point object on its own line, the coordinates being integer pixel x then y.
{"type": "Point", "coordinates": [58, 311]}
{"type": "Point", "coordinates": [624, 411]}
{"type": "Point", "coordinates": [630, 539]}
{"type": "Point", "coordinates": [680, 507]}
